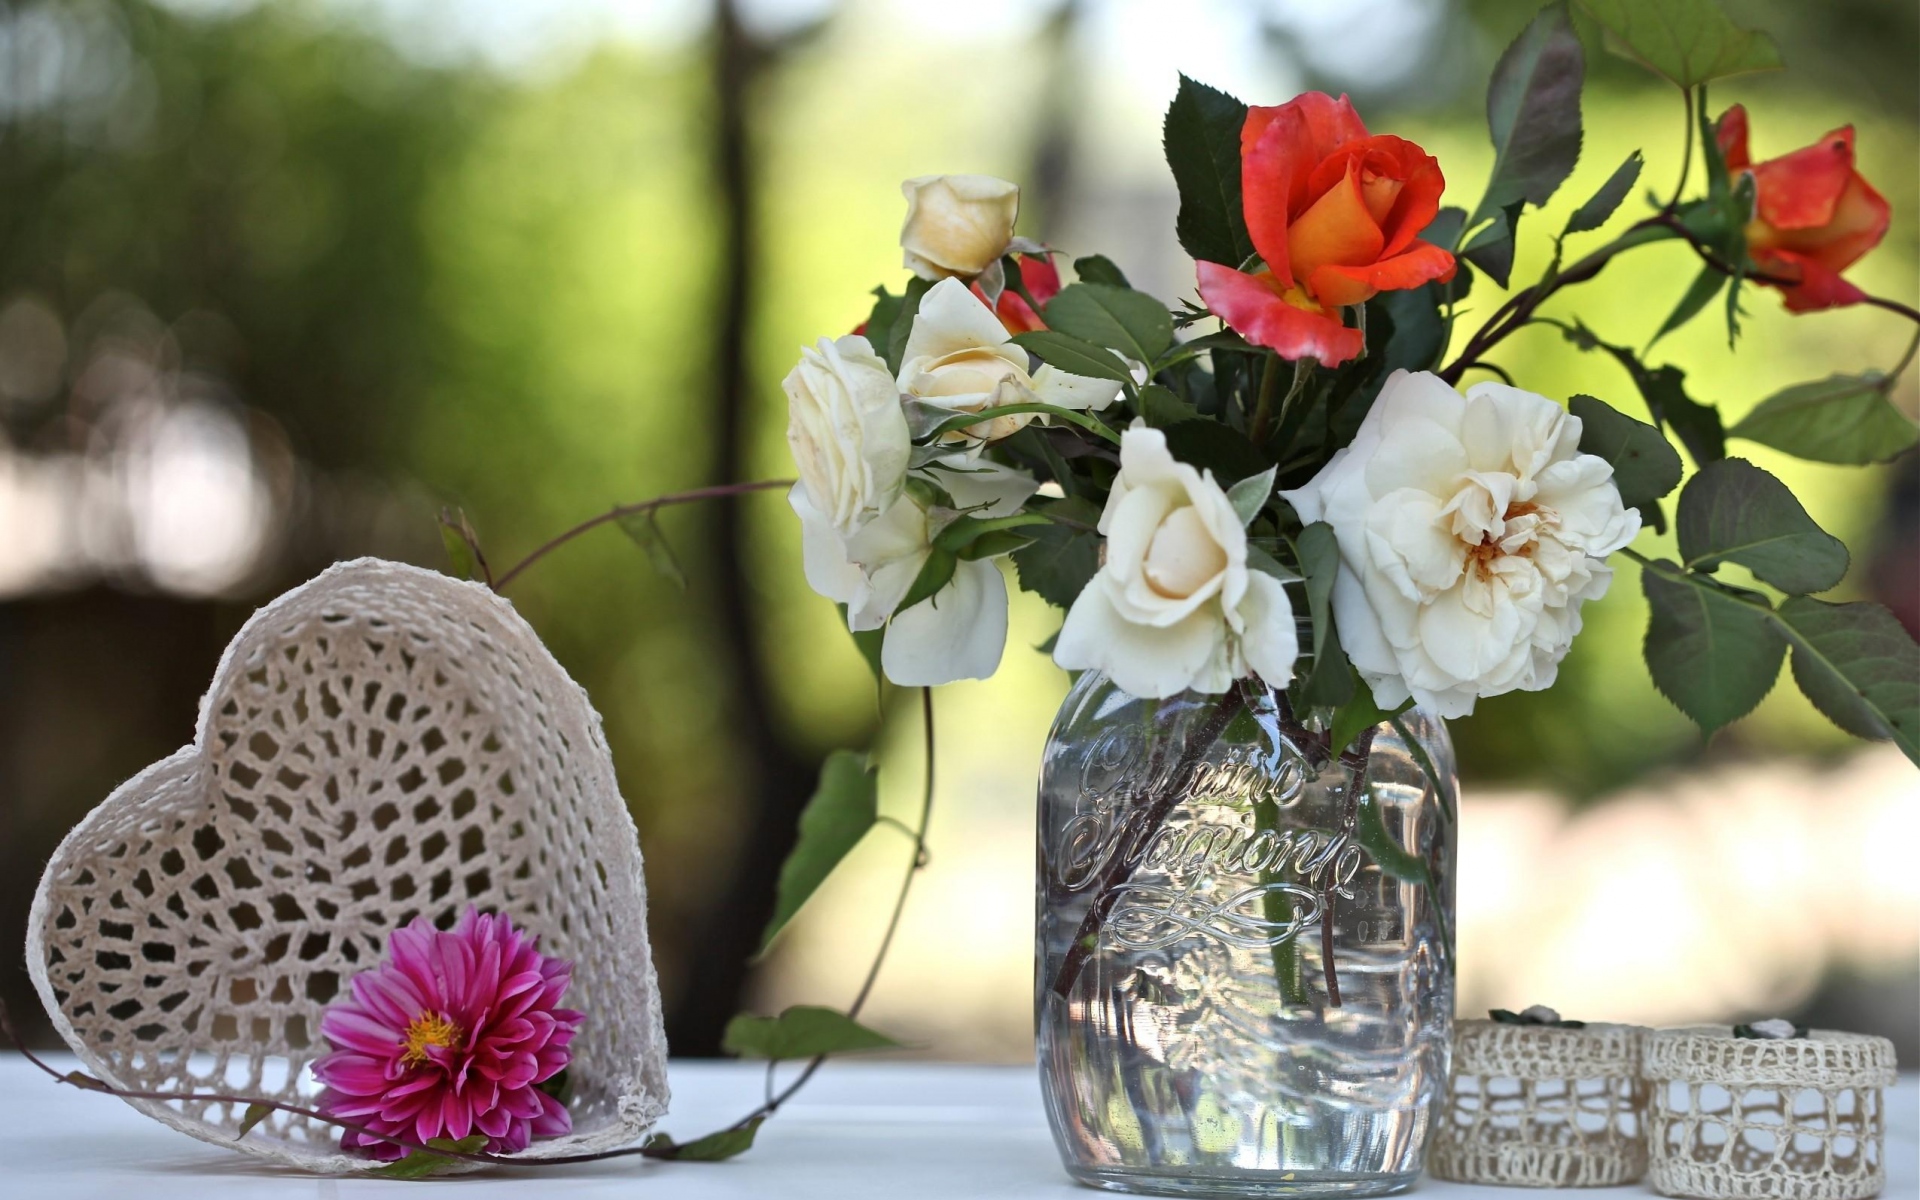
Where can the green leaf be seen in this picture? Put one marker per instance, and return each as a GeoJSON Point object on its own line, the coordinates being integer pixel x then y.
{"type": "Point", "coordinates": [421, 1163]}
{"type": "Point", "coordinates": [1711, 649]}
{"type": "Point", "coordinates": [1212, 446]}
{"type": "Point", "coordinates": [1251, 494]}
{"type": "Point", "coordinates": [256, 1113]}
{"type": "Point", "coordinates": [1841, 419]}
{"type": "Point", "coordinates": [1202, 142]}
{"type": "Point", "coordinates": [902, 327]}
{"type": "Point", "coordinates": [81, 1079]}
{"type": "Point", "coordinates": [1533, 115]}
{"type": "Point", "coordinates": [1259, 560]}
{"type": "Point", "coordinates": [1858, 666]}
{"type": "Point", "coordinates": [715, 1147]}
{"type": "Point", "coordinates": [1732, 511]}
{"type": "Point", "coordinates": [803, 1031]}
{"type": "Point", "coordinates": [964, 420]}
{"type": "Point", "coordinates": [1098, 268]}
{"type": "Point", "coordinates": [1332, 680]}
{"type": "Point", "coordinates": [845, 804]}
{"type": "Point", "coordinates": [1492, 248]}
{"type": "Point", "coordinates": [462, 545]}
{"type": "Point", "coordinates": [1162, 408]}
{"type": "Point", "coordinates": [1118, 318]}
{"type": "Point", "coordinates": [1358, 715]}
{"type": "Point", "coordinates": [644, 529]}
{"type": "Point", "coordinates": [868, 642]}
{"type": "Point", "coordinates": [1645, 465]}
{"type": "Point", "coordinates": [879, 332]}
{"type": "Point", "coordinates": [963, 532]}
{"type": "Point", "coordinates": [1594, 213]}
{"type": "Point", "coordinates": [1062, 558]}
{"type": "Point", "coordinates": [935, 573]}
{"type": "Point", "coordinates": [1686, 41]}
{"type": "Point", "coordinates": [1706, 285]}
{"type": "Point", "coordinates": [1664, 389]}
{"type": "Point", "coordinates": [1073, 355]}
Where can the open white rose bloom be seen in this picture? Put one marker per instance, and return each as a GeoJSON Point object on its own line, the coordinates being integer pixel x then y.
{"type": "Point", "coordinates": [960, 359]}
{"type": "Point", "coordinates": [847, 433]}
{"type": "Point", "coordinates": [1175, 606]}
{"type": "Point", "coordinates": [1471, 530]}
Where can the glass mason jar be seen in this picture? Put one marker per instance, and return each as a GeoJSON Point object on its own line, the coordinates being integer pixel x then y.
{"type": "Point", "coordinates": [1245, 981]}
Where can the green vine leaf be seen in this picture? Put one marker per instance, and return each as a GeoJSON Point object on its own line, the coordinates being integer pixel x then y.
{"type": "Point", "coordinates": [1842, 419]}
{"type": "Point", "coordinates": [421, 1163]}
{"type": "Point", "coordinates": [1686, 41]}
{"type": "Point", "coordinates": [1713, 650]}
{"type": "Point", "coordinates": [255, 1114]}
{"type": "Point", "coordinates": [1533, 116]}
{"type": "Point", "coordinates": [643, 529]}
{"type": "Point", "coordinates": [803, 1031]}
{"type": "Point", "coordinates": [1858, 666]}
{"type": "Point", "coordinates": [1645, 465]}
{"type": "Point", "coordinates": [1732, 511]}
{"type": "Point", "coordinates": [1202, 143]}
{"type": "Point", "coordinates": [1706, 285]}
{"type": "Point", "coordinates": [1098, 268]}
{"type": "Point", "coordinates": [1664, 389]}
{"type": "Point", "coordinates": [714, 1147]}
{"type": "Point", "coordinates": [844, 806]}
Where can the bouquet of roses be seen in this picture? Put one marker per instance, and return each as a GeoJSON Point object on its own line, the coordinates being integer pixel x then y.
{"type": "Point", "coordinates": [1280, 478]}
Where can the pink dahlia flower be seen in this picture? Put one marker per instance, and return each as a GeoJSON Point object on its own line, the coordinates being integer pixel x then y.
{"type": "Point", "coordinates": [451, 1036]}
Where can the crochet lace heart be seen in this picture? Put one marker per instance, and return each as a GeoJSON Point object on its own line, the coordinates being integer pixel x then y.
{"type": "Point", "coordinates": [379, 743]}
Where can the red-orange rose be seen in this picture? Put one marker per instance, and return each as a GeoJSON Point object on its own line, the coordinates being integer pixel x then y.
{"type": "Point", "coordinates": [1042, 281]}
{"type": "Point", "coordinates": [1814, 216]}
{"type": "Point", "coordinates": [1335, 214]}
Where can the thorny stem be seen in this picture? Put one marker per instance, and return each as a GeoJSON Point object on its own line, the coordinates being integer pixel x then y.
{"type": "Point", "coordinates": [630, 510]}
{"type": "Point", "coordinates": [1128, 853]}
{"type": "Point", "coordinates": [1263, 410]}
{"type": "Point", "coordinates": [647, 1150]}
{"type": "Point", "coordinates": [1686, 151]}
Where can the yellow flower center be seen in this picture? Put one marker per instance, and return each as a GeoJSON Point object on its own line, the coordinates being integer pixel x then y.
{"type": "Point", "coordinates": [428, 1029]}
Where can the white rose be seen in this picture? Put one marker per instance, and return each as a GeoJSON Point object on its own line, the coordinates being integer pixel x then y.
{"type": "Point", "coordinates": [1174, 605]}
{"type": "Point", "coordinates": [1470, 529]}
{"type": "Point", "coordinates": [959, 358]}
{"type": "Point", "coordinates": [957, 224]}
{"type": "Point", "coordinates": [847, 431]}
{"type": "Point", "coordinates": [960, 631]}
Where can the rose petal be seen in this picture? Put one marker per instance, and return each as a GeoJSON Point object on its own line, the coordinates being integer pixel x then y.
{"type": "Point", "coordinates": [1252, 307]}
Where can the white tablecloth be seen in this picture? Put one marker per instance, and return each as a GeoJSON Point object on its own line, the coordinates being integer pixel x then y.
{"type": "Point", "coordinates": [886, 1131]}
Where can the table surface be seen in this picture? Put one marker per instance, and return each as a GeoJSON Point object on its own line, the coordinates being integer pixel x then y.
{"type": "Point", "coordinates": [880, 1130]}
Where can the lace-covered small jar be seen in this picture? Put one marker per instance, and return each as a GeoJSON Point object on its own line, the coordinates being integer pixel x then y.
{"type": "Point", "coordinates": [1542, 1105]}
{"type": "Point", "coordinates": [1799, 1118]}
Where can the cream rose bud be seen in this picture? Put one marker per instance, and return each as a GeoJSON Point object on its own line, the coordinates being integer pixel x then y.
{"type": "Point", "coordinates": [847, 431]}
{"type": "Point", "coordinates": [1175, 606]}
{"type": "Point", "coordinates": [957, 224]}
{"type": "Point", "coordinates": [1471, 529]}
{"type": "Point", "coordinates": [960, 358]}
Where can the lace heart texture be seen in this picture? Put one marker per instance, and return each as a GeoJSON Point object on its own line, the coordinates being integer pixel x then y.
{"type": "Point", "coordinates": [379, 743]}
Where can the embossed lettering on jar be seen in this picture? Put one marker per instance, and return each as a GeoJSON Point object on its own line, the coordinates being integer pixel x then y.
{"type": "Point", "coordinates": [1244, 981]}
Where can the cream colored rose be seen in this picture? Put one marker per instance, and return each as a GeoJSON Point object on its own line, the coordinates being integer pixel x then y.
{"type": "Point", "coordinates": [1471, 529]}
{"type": "Point", "coordinates": [960, 631]}
{"type": "Point", "coordinates": [957, 224]}
{"type": "Point", "coordinates": [1174, 605]}
{"type": "Point", "coordinates": [960, 358]}
{"type": "Point", "coordinates": [847, 431]}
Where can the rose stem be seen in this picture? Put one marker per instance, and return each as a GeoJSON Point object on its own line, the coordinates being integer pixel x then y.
{"type": "Point", "coordinates": [1121, 867]}
{"type": "Point", "coordinates": [1355, 758]}
{"type": "Point", "coordinates": [630, 510]}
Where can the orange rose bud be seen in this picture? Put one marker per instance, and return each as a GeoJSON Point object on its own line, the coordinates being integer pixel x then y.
{"type": "Point", "coordinates": [1335, 213]}
{"type": "Point", "coordinates": [1814, 216]}
{"type": "Point", "coordinates": [1042, 281]}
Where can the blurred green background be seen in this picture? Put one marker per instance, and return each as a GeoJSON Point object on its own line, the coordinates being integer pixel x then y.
{"type": "Point", "coordinates": [278, 280]}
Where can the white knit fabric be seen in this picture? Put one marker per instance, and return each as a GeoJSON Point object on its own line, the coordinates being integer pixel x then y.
{"type": "Point", "coordinates": [1542, 1106]}
{"type": "Point", "coordinates": [1793, 1119]}
{"type": "Point", "coordinates": [380, 742]}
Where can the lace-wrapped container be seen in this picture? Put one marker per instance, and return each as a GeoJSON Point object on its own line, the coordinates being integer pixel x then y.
{"type": "Point", "coordinates": [1789, 1119]}
{"type": "Point", "coordinates": [1543, 1106]}
{"type": "Point", "coordinates": [1244, 966]}
{"type": "Point", "coordinates": [380, 742]}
